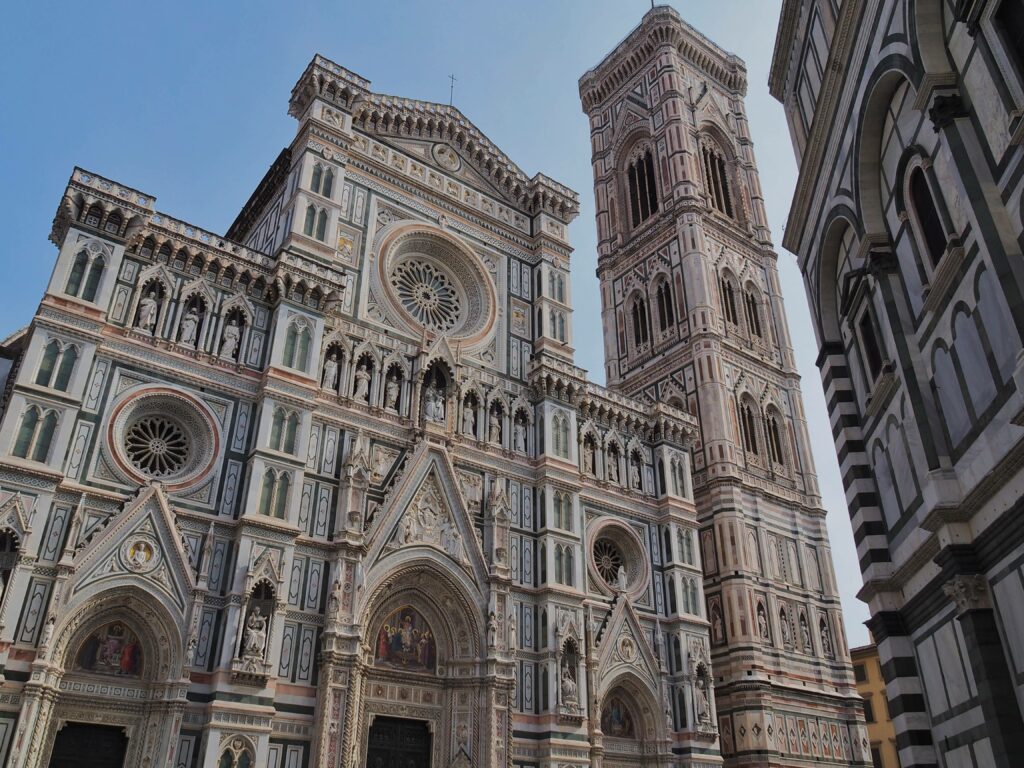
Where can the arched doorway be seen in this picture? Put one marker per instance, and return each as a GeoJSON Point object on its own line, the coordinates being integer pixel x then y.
{"type": "Point", "coordinates": [398, 742]}
{"type": "Point", "coordinates": [424, 681]}
{"type": "Point", "coordinates": [632, 726]}
{"type": "Point", "coordinates": [86, 745]}
{"type": "Point", "coordinates": [113, 666]}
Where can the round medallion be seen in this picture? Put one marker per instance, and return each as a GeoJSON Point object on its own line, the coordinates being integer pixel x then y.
{"type": "Point", "coordinates": [140, 553]}
{"type": "Point", "coordinates": [618, 558]}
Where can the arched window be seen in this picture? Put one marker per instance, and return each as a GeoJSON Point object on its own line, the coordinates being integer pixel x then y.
{"type": "Point", "coordinates": [872, 350]}
{"type": "Point", "coordinates": [753, 312]}
{"type": "Point", "coordinates": [641, 327]}
{"type": "Point", "coordinates": [113, 223]}
{"type": "Point", "coordinates": [318, 173]}
{"type": "Point", "coordinates": [729, 301]}
{"type": "Point", "coordinates": [281, 495]}
{"type": "Point", "coordinates": [77, 274]}
{"type": "Point", "coordinates": [309, 224]}
{"type": "Point", "coordinates": [267, 491]}
{"type": "Point", "coordinates": [321, 225]}
{"type": "Point", "coordinates": [543, 558]}
{"type": "Point", "coordinates": [296, 346]}
{"type": "Point", "coordinates": [277, 428]}
{"type": "Point", "coordinates": [932, 232]}
{"type": "Point", "coordinates": [666, 314]}
{"type": "Point", "coordinates": [643, 195]}
{"type": "Point", "coordinates": [1008, 20]}
{"type": "Point", "coordinates": [716, 177]}
{"type": "Point", "coordinates": [35, 434]}
{"type": "Point", "coordinates": [748, 426]}
{"type": "Point", "coordinates": [774, 438]}
{"type": "Point", "coordinates": [94, 215]}
{"type": "Point", "coordinates": [291, 427]}
{"type": "Point", "coordinates": [544, 628]}
{"type": "Point", "coordinates": [48, 363]}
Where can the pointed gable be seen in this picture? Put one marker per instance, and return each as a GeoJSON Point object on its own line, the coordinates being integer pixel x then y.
{"type": "Point", "coordinates": [427, 509]}
{"type": "Point", "coordinates": [140, 545]}
{"type": "Point", "coordinates": [623, 647]}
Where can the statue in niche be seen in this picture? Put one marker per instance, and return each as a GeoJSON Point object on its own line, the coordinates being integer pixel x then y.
{"type": "Point", "coordinates": [492, 630]}
{"type": "Point", "coordinates": [147, 311]}
{"type": "Point", "coordinates": [787, 637]}
{"type": "Point", "coordinates": [255, 634]}
{"type": "Point", "coordinates": [520, 435]}
{"type": "Point", "coordinates": [334, 603]}
{"type": "Point", "coordinates": [717, 627]}
{"type": "Point", "coordinates": [700, 694]}
{"type": "Point", "coordinates": [805, 634]}
{"type": "Point", "coordinates": [513, 636]}
{"type": "Point", "coordinates": [391, 388]}
{"type": "Point", "coordinates": [762, 623]}
{"type": "Point", "coordinates": [826, 641]}
{"type": "Point", "coordinates": [570, 695]}
{"type": "Point", "coordinates": [494, 428]}
{"type": "Point", "coordinates": [634, 475]}
{"type": "Point", "coordinates": [330, 378]}
{"type": "Point", "coordinates": [229, 340]}
{"type": "Point", "coordinates": [469, 420]}
{"type": "Point", "coordinates": [434, 407]}
{"type": "Point", "coordinates": [613, 468]}
{"type": "Point", "coordinates": [620, 579]}
{"type": "Point", "coordinates": [189, 327]}
{"type": "Point", "coordinates": [588, 459]}
{"type": "Point", "coordinates": [362, 390]}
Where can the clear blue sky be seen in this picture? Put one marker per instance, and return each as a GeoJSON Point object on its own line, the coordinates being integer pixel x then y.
{"type": "Point", "coordinates": [188, 101]}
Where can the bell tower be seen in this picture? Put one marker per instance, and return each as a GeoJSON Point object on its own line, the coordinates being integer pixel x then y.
{"type": "Point", "coordinates": [692, 316]}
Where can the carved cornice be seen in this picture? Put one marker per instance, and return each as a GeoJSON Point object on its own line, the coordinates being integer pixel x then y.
{"type": "Point", "coordinates": [660, 26]}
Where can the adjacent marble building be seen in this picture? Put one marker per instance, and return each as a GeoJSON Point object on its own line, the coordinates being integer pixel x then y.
{"type": "Point", "coordinates": [328, 490]}
{"type": "Point", "coordinates": [907, 117]}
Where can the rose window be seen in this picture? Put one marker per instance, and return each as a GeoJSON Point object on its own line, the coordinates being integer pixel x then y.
{"type": "Point", "coordinates": [160, 434]}
{"type": "Point", "coordinates": [156, 446]}
{"type": "Point", "coordinates": [428, 294]}
{"type": "Point", "coordinates": [608, 560]}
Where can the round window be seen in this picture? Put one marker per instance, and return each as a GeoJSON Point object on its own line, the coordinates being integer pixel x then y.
{"type": "Point", "coordinates": [437, 283]}
{"type": "Point", "coordinates": [618, 558]}
{"type": "Point", "coordinates": [163, 434]}
{"type": "Point", "coordinates": [157, 446]}
{"type": "Point", "coordinates": [608, 560]}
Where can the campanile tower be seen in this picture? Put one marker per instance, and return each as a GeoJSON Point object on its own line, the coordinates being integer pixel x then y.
{"type": "Point", "coordinates": [693, 317]}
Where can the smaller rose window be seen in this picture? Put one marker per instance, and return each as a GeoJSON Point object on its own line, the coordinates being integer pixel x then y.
{"type": "Point", "coordinates": [608, 560]}
{"type": "Point", "coordinates": [428, 294]}
{"type": "Point", "coordinates": [157, 446]}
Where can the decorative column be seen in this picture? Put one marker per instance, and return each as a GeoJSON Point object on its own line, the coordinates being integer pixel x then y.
{"type": "Point", "coordinates": [996, 695]}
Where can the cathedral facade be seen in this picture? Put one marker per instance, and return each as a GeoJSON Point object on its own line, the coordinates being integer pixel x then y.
{"type": "Point", "coordinates": [906, 118]}
{"type": "Point", "coordinates": [328, 490]}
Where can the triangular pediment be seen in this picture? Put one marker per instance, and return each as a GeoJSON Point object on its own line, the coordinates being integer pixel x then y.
{"type": "Point", "coordinates": [140, 545]}
{"type": "Point", "coordinates": [623, 645]}
{"type": "Point", "coordinates": [14, 517]}
{"type": "Point", "coordinates": [447, 158]}
{"type": "Point", "coordinates": [427, 510]}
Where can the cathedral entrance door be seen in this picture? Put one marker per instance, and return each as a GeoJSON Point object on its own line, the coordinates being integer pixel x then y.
{"type": "Point", "coordinates": [81, 745]}
{"type": "Point", "coordinates": [397, 743]}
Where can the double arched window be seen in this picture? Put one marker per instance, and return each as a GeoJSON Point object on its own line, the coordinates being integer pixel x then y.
{"type": "Point", "coordinates": [716, 176]}
{"type": "Point", "coordinates": [748, 428]}
{"type": "Point", "coordinates": [641, 324]}
{"type": "Point", "coordinates": [323, 180]}
{"type": "Point", "coordinates": [556, 286]}
{"type": "Point", "coordinates": [84, 277]}
{"type": "Point", "coordinates": [563, 510]}
{"type": "Point", "coordinates": [315, 224]}
{"type": "Point", "coordinates": [643, 195]}
{"type": "Point", "coordinates": [560, 435]}
{"type": "Point", "coordinates": [773, 437]}
{"type": "Point", "coordinates": [728, 289]}
{"type": "Point", "coordinates": [274, 494]}
{"type": "Point", "coordinates": [666, 313]}
{"type": "Point", "coordinates": [296, 346]}
{"type": "Point", "coordinates": [284, 427]}
{"type": "Point", "coordinates": [564, 564]}
{"type": "Point", "coordinates": [57, 365]}
{"type": "Point", "coordinates": [35, 434]}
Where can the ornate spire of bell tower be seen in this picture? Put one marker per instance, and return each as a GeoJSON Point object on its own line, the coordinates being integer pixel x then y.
{"type": "Point", "coordinates": [692, 316]}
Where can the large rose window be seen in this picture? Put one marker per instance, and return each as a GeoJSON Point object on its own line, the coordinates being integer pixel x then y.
{"type": "Point", "coordinates": [434, 281]}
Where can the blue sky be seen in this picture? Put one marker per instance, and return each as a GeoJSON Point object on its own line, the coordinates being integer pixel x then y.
{"type": "Point", "coordinates": [188, 101]}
